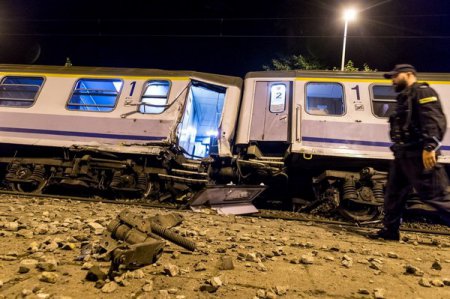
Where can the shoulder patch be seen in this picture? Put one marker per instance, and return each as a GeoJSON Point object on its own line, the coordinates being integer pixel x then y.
{"type": "Point", "coordinates": [427, 100]}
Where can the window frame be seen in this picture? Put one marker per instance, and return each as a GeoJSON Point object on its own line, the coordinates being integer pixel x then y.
{"type": "Point", "coordinates": [270, 95]}
{"type": "Point", "coordinates": [144, 88]}
{"type": "Point", "coordinates": [344, 98]}
{"type": "Point", "coordinates": [372, 97]}
{"type": "Point", "coordinates": [36, 96]}
{"type": "Point", "coordinates": [113, 108]}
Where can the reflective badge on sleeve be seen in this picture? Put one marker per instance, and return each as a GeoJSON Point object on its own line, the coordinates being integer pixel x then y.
{"type": "Point", "coordinates": [427, 100]}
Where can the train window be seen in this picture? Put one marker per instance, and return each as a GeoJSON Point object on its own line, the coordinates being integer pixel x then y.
{"type": "Point", "coordinates": [277, 97]}
{"type": "Point", "coordinates": [383, 100]}
{"type": "Point", "coordinates": [154, 99]}
{"type": "Point", "coordinates": [324, 99]}
{"type": "Point", "coordinates": [95, 95]}
{"type": "Point", "coordinates": [19, 91]}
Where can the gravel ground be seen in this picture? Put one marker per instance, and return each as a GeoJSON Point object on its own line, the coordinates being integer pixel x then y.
{"type": "Point", "coordinates": [41, 240]}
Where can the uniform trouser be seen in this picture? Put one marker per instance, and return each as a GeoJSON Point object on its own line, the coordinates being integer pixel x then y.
{"type": "Point", "coordinates": [431, 185]}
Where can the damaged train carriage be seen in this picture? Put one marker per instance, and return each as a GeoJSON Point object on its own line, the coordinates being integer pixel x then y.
{"type": "Point", "coordinates": [323, 129]}
{"type": "Point", "coordinates": [117, 131]}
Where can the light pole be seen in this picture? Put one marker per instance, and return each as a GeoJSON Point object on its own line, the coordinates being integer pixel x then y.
{"type": "Point", "coordinates": [349, 15]}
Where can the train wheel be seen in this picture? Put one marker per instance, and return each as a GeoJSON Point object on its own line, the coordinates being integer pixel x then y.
{"type": "Point", "coordinates": [37, 180]}
{"type": "Point", "coordinates": [361, 213]}
{"type": "Point", "coordinates": [148, 190]}
{"type": "Point", "coordinates": [35, 187]}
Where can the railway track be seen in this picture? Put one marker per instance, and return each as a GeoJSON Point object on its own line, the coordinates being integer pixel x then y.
{"type": "Point", "coordinates": [411, 227]}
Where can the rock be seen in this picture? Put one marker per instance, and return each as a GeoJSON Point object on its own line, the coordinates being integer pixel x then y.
{"type": "Point", "coordinates": [412, 270]}
{"type": "Point", "coordinates": [392, 255]}
{"type": "Point", "coordinates": [49, 277]}
{"type": "Point", "coordinates": [109, 287]}
{"type": "Point", "coordinates": [436, 266]}
{"type": "Point", "coordinates": [363, 291]}
{"type": "Point", "coordinates": [48, 265]}
{"type": "Point", "coordinates": [95, 274]}
{"type": "Point", "coordinates": [261, 293]}
{"type": "Point", "coordinates": [172, 291]}
{"type": "Point", "coordinates": [11, 226]}
{"type": "Point", "coordinates": [307, 259]}
{"type": "Point", "coordinates": [251, 257]}
{"type": "Point", "coordinates": [270, 295]}
{"type": "Point", "coordinates": [200, 266]}
{"type": "Point", "coordinates": [96, 228]}
{"type": "Point", "coordinates": [446, 281]}
{"type": "Point", "coordinates": [329, 258]}
{"type": "Point", "coordinates": [68, 246]}
{"type": "Point", "coordinates": [148, 286]}
{"type": "Point", "coordinates": [347, 261]}
{"type": "Point", "coordinates": [208, 288]}
{"type": "Point", "coordinates": [26, 265]}
{"type": "Point", "coordinates": [25, 233]}
{"type": "Point", "coordinates": [87, 266]}
{"type": "Point", "coordinates": [171, 270]}
{"type": "Point", "coordinates": [216, 282]}
{"type": "Point", "coordinates": [226, 263]}
{"type": "Point", "coordinates": [281, 290]}
{"type": "Point", "coordinates": [261, 267]}
{"type": "Point", "coordinates": [99, 284]}
{"type": "Point", "coordinates": [425, 282]}
{"type": "Point", "coordinates": [163, 294]}
{"type": "Point", "coordinates": [121, 281]}
{"type": "Point", "coordinates": [375, 265]}
{"type": "Point", "coordinates": [33, 247]}
{"type": "Point", "coordinates": [379, 293]}
{"type": "Point", "coordinates": [41, 229]}
{"type": "Point", "coordinates": [437, 282]}
{"type": "Point", "coordinates": [175, 255]}
{"type": "Point", "coordinates": [26, 292]}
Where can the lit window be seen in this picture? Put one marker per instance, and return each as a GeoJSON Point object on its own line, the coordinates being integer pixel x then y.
{"type": "Point", "coordinates": [95, 95]}
{"type": "Point", "coordinates": [277, 98]}
{"type": "Point", "coordinates": [383, 100]}
{"type": "Point", "coordinates": [324, 99]}
{"type": "Point", "coordinates": [154, 99]}
{"type": "Point", "coordinates": [19, 91]}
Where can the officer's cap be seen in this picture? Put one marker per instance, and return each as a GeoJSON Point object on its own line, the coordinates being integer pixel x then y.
{"type": "Point", "coordinates": [400, 68]}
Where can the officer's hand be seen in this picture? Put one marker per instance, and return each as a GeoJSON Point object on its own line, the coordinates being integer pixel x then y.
{"type": "Point", "coordinates": [429, 159]}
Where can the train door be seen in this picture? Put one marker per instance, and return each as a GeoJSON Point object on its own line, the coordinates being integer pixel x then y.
{"type": "Point", "coordinates": [271, 105]}
{"type": "Point", "coordinates": [199, 128]}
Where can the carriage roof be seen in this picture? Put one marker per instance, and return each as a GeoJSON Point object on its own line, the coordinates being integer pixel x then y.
{"type": "Point", "coordinates": [340, 74]}
{"type": "Point", "coordinates": [110, 71]}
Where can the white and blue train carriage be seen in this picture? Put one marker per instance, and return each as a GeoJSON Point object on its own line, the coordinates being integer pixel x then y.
{"type": "Point", "coordinates": [112, 128]}
{"type": "Point", "coordinates": [318, 125]}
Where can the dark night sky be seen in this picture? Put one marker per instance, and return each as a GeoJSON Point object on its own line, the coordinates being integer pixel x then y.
{"type": "Point", "coordinates": [223, 36]}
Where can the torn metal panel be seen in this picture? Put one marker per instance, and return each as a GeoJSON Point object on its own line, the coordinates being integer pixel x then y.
{"type": "Point", "coordinates": [227, 199]}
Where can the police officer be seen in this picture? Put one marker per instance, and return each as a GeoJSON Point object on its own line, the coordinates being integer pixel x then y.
{"type": "Point", "coordinates": [416, 127]}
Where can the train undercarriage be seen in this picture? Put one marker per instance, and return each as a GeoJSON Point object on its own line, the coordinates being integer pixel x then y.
{"type": "Point", "coordinates": [168, 176]}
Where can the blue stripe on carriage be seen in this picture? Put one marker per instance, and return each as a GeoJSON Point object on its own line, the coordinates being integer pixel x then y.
{"type": "Point", "coordinates": [359, 142]}
{"type": "Point", "coordinates": [79, 134]}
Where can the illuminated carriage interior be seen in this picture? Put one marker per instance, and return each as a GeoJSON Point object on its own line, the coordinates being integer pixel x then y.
{"type": "Point", "coordinates": [199, 128]}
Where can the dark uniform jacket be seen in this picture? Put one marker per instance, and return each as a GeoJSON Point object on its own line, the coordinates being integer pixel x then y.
{"type": "Point", "coordinates": [418, 122]}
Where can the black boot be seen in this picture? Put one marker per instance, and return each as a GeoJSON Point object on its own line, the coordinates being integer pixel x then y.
{"type": "Point", "coordinates": [386, 234]}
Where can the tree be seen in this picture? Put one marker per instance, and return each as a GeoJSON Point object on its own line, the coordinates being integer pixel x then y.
{"type": "Point", "coordinates": [294, 62]}
{"type": "Point", "coordinates": [350, 67]}
{"type": "Point", "coordinates": [300, 62]}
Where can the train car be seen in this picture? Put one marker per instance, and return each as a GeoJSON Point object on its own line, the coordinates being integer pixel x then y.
{"type": "Point", "coordinates": [114, 130]}
{"type": "Point", "coordinates": [325, 129]}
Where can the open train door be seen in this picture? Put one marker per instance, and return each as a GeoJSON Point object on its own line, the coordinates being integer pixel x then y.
{"type": "Point", "coordinates": [270, 119]}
